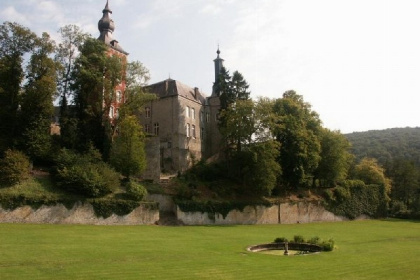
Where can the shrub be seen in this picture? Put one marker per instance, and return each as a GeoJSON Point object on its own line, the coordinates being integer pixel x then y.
{"type": "Point", "coordinates": [135, 191]}
{"type": "Point", "coordinates": [327, 245]}
{"type": "Point", "coordinates": [85, 174]}
{"type": "Point", "coordinates": [298, 239]}
{"type": "Point", "coordinates": [314, 240]}
{"type": "Point", "coordinates": [14, 167]}
{"type": "Point", "coordinates": [280, 240]}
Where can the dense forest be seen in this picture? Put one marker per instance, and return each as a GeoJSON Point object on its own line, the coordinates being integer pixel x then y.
{"type": "Point", "coordinates": [387, 145]}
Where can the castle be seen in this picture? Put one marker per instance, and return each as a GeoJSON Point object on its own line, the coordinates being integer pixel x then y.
{"type": "Point", "coordinates": [181, 123]}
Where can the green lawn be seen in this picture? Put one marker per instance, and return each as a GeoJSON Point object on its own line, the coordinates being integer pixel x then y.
{"type": "Point", "coordinates": [365, 250]}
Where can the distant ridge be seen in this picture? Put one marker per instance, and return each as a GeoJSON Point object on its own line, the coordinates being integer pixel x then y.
{"type": "Point", "coordinates": [387, 145]}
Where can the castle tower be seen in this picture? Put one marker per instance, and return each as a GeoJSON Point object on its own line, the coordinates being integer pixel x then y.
{"type": "Point", "coordinates": [106, 27]}
{"type": "Point", "coordinates": [218, 65]}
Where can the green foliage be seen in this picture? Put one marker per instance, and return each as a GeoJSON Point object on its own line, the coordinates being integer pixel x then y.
{"type": "Point", "coordinates": [355, 198]}
{"type": "Point", "coordinates": [37, 101]}
{"type": "Point", "coordinates": [213, 207]}
{"type": "Point", "coordinates": [15, 42]}
{"type": "Point", "coordinates": [14, 167]}
{"type": "Point", "coordinates": [84, 174]}
{"type": "Point", "coordinates": [106, 207]}
{"type": "Point", "coordinates": [387, 145]}
{"type": "Point", "coordinates": [280, 240]}
{"type": "Point", "coordinates": [127, 153]}
{"type": "Point", "coordinates": [298, 239]}
{"type": "Point", "coordinates": [314, 240]}
{"type": "Point", "coordinates": [135, 191]}
{"type": "Point", "coordinates": [297, 128]}
{"type": "Point", "coordinates": [335, 160]}
{"type": "Point", "coordinates": [94, 94]}
{"type": "Point", "coordinates": [326, 245]}
{"type": "Point", "coordinates": [262, 170]}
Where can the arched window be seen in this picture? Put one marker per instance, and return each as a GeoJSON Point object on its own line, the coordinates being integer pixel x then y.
{"type": "Point", "coordinates": [147, 128]}
{"type": "Point", "coordinates": [187, 111]}
{"type": "Point", "coordinates": [148, 112]}
{"type": "Point", "coordinates": [188, 130]}
{"type": "Point", "coordinates": [119, 96]}
{"type": "Point", "coordinates": [111, 112]}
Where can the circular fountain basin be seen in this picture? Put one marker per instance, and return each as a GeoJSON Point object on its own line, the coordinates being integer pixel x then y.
{"type": "Point", "coordinates": [294, 248]}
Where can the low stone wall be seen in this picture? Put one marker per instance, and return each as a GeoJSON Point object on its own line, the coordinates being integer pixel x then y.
{"type": "Point", "coordinates": [79, 214]}
{"type": "Point", "coordinates": [284, 213]}
{"type": "Point", "coordinates": [166, 203]}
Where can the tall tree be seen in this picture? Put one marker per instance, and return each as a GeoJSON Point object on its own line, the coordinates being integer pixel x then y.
{"type": "Point", "coordinates": [72, 38]}
{"type": "Point", "coordinates": [296, 127]}
{"type": "Point", "coordinates": [336, 158]}
{"type": "Point", "coordinates": [15, 42]}
{"type": "Point", "coordinates": [135, 97]}
{"type": "Point", "coordinates": [370, 172]}
{"type": "Point", "coordinates": [127, 152]}
{"type": "Point", "coordinates": [239, 124]}
{"type": "Point", "coordinates": [37, 100]}
{"type": "Point", "coordinates": [405, 176]}
{"type": "Point", "coordinates": [95, 77]}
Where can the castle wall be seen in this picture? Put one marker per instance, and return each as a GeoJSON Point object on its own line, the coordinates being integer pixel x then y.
{"type": "Point", "coordinates": [152, 149]}
{"type": "Point", "coordinates": [79, 214]}
{"type": "Point", "coordinates": [284, 213]}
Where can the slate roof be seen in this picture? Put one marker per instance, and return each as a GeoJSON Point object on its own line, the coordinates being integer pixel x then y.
{"type": "Point", "coordinates": [171, 87]}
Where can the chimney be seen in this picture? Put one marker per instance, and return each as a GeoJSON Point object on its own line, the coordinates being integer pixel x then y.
{"type": "Point", "coordinates": [195, 92]}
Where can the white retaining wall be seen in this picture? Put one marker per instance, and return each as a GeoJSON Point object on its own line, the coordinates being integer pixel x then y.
{"type": "Point", "coordinates": [284, 213]}
{"type": "Point", "coordinates": [79, 214]}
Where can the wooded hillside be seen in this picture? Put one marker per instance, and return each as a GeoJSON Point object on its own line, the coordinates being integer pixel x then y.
{"type": "Point", "coordinates": [387, 145]}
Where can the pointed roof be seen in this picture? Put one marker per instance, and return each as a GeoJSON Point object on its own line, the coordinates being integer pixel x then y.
{"type": "Point", "coordinates": [106, 27]}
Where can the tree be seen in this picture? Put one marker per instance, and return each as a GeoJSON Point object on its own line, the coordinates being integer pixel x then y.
{"type": "Point", "coordinates": [136, 78]}
{"type": "Point", "coordinates": [370, 172]}
{"type": "Point", "coordinates": [72, 38]}
{"type": "Point", "coordinates": [335, 158]}
{"type": "Point", "coordinates": [405, 176]}
{"type": "Point", "coordinates": [37, 100]}
{"type": "Point", "coordinates": [296, 127]}
{"type": "Point", "coordinates": [127, 152]}
{"type": "Point", "coordinates": [239, 124]}
{"type": "Point", "coordinates": [95, 77]}
{"type": "Point", "coordinates": [263, 170]}
{"type": "Point", "coordinates": [15, 42]}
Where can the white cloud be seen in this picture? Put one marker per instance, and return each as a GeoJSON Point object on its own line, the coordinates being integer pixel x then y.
{"type": "Point", "coordinates": [10, 14]}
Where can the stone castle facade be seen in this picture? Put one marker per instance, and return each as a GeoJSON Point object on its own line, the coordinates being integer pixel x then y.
{"type": "Point", "coordinates": [181, 123]}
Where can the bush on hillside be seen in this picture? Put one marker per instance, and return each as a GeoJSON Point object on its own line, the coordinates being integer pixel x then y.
{"type": "Point", "coordinates": [14, 167]}
{"type": "Point", "coordinates": [135, 191]}
{"type": "Point", "coordinates": [85, 174]}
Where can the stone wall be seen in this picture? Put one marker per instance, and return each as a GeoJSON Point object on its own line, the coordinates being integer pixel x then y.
{"type": "Point", "coordinates": [79, 214]}
{"type": "Point", "coordinates": [166, 203]}
{"type": "Point", "coordinates": [284, 213]}
{"type": "Point", "coordinates": [152, 149]}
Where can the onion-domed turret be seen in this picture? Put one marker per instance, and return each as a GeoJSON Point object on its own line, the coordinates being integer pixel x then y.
{"type": "Point", "coordinates": [106, 24]}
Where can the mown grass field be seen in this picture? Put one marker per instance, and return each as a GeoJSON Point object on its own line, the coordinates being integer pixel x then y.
{"type": "Point", "coordinates": [387, 249]}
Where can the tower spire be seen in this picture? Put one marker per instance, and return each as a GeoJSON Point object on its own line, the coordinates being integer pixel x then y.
{"type": "Point", "coordinates": [218, 65]}
{"type": "Point", "coordinates": [106, 27]}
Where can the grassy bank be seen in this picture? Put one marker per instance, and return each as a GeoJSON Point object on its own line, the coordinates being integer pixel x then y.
{"type": "Point", "coordinates": [365, 250]}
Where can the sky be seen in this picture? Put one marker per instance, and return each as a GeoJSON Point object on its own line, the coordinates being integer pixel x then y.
{"type": "Point", "coordinates": [357, 62]}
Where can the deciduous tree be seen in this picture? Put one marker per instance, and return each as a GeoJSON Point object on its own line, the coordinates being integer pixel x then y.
{"type": "Point", "coordinates": [15, 42]}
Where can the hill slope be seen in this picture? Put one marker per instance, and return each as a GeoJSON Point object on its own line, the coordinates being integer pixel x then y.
{"type": "Point", "coordinates": [387, 145]}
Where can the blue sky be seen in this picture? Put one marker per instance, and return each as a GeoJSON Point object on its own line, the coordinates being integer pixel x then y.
{"type": "Point", "coordinates": [357, 62]}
